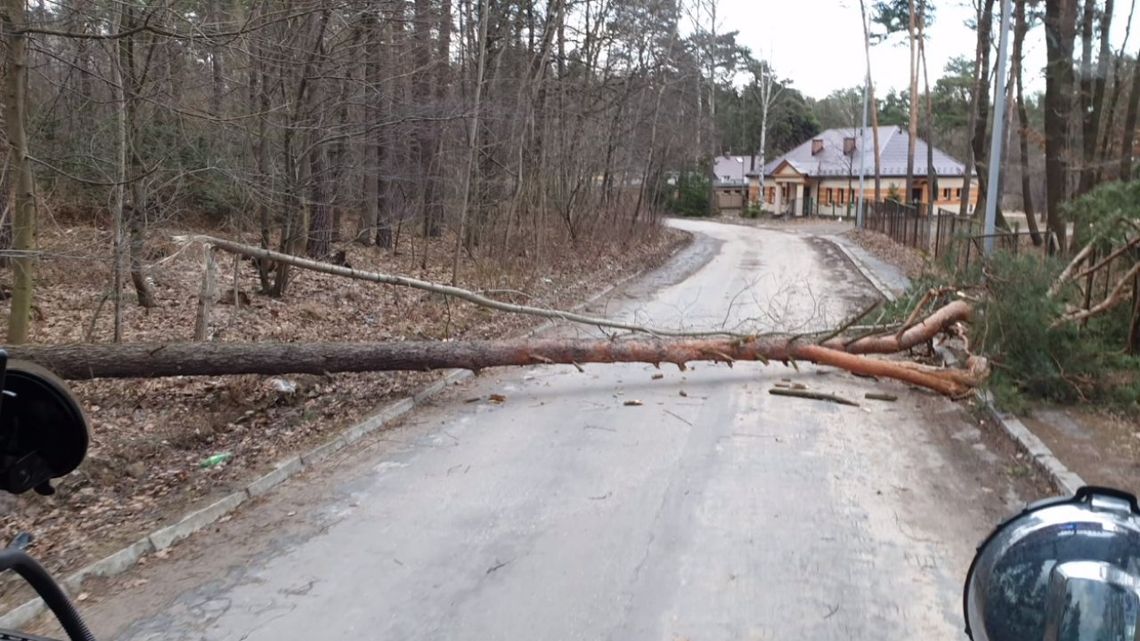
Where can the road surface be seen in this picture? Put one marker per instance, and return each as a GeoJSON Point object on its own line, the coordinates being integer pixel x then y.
{"type": "Point", "coordinates": [709, 511]}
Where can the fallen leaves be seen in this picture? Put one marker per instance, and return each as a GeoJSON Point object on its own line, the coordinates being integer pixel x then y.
{"type": "Point", "coordinates": [150, 436]}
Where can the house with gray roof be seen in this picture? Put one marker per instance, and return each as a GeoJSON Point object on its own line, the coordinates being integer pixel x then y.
{"type": "Point", "coordinates": [821, 175]}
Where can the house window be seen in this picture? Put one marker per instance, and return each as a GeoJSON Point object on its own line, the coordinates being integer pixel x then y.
{"type": "Point", "coordinates": [946, 194]}
{"type": "Point", "coordinates": [827, 196]}
{"type": "Point", "coordinates": [851, 195]}
{"type": "Point", "coordinates": [842, 194]}
{"type": "Point", "coordinates": [957, 193]}
{"type": "Point", "coordinates": [771, 195]}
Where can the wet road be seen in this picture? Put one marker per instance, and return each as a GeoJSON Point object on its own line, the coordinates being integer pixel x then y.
{"type": "Point", "coordinates": [711, 511]}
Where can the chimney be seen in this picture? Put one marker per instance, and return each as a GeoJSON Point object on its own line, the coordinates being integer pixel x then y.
{"type": "Point", "coordinates": [849, 145]}
{"type": "Point", "coordinates": [816, 146]}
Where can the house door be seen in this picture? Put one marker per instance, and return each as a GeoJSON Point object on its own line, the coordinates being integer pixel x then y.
{"type": "Point", "coordinates": [807, 200]}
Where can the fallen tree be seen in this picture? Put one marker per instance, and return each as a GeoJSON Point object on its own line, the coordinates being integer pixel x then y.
{"type": "Point", "coordinates": [85, 361]}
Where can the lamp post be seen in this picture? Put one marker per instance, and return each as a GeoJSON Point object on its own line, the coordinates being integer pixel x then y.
{"type": "Point", "coordinates": [744, 198]}
{"type": "Point", "coordinates": [992, 194]}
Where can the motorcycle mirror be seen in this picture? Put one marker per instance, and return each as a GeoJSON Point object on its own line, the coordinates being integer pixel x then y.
{"type": "Point", "coordinates": [43, 433]}
{"type": "Point", "coordinates": [1062, 570]}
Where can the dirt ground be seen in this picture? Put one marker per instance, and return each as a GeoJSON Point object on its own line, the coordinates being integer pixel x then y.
{"type": "Point", "coordinates": [1101, 446]}
{"type": "Point", "coordinates": [911, 261]}
{"type": "Point", "coordinates": [151, 438]}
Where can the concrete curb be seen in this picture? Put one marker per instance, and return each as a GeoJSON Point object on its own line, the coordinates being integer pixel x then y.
{"type": "Point", "coordinates": [1065, 480]}
{"type": "Point", "coordinates": [1062, 478]}
{"type": "Point", "coordinates": [864, 271]}
{"type": "Point", "coordinates": [126, 558]}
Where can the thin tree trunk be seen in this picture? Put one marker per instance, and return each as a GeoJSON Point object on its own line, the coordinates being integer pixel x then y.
{"type": "Point", "coordinates": [24, 201]}
{"type": "Point", "coordinates": [931, 175]}
{"type": "Point", "coordinates": [1130, 124]}
{"type": "Point", "coordinates": [874, 104]}
{"type": "Point", "coordinates": [1060, 22]}
{"type": "Point", "coordinates": [979, 105]}
{"type": "Point", "coordinates": [470, 179]}
{"type": "Point", "coordinates": [134, 216]}
{"type": "Point", "coordinates": [320, 218]}
{"type": "Point", "coordinates": [1019, 29]}
{"type": "Point", "coordinates": [1105, 153]}
{"type": "Point", "coordinates": [1088, 126]}
{"type": "Point", "coordinates": [370, 222]}
{"type": "Point", "coordinates": [912, 116]}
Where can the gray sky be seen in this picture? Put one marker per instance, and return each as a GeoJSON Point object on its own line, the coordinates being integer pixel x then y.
{"type": "Point", "coordinates": [819, 43]}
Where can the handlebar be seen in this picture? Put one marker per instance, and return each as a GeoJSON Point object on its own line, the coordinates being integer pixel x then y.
{"type": "Point", "coordinates": [49, 591]}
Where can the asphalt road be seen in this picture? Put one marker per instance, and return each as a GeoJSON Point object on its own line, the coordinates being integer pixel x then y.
{"type": "Point", "coordinates": [710, 511]}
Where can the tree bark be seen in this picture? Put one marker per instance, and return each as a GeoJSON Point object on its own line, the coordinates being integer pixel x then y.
{"type": "Point", "coordinates": [1130, 124]}
{"type": "Point", "coordinates": [1099, 86]}
{"type": "Point", "coordinates": [425, 136]}
{"type": "Point", "coordinates": [24, 199]}
{"type": "Point", "coordinates": [1117, 86]}
{"type": "Point", "coordinates": [912, 116]}
{"type": "Point", "coordinates": [370, 222]}
{"type": "Point", "coordinates": [931, 175]}
{"type": "Point", "coordinates": [1020, 27]}
{"type": "Point", "coordinates": [134, 217]}
{"type": "Point", "coordinates": [320, 218]}
{"type": "Point", "coordinates": [1134, 325]}
{"type": "Point", "coordinates": [1060, 30]}
{"type": "Point", "coordinates": [874, 104]}
{"type": "Point", "coordinates": [979, 105]}
{"type": "Point", "coordinates": [1088, 108]}
{"type": "Point", "coordinates": [79, 361]}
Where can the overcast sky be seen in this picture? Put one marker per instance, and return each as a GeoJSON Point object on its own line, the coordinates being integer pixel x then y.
{"type": "Point", "coordinates": [819, 43]}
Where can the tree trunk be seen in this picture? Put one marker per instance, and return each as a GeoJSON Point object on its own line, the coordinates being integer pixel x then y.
{"type": "Point", "coordinates": [979, 105]}
{"type": "Point", "coordinates": [217, 359]}
{"type": "Point", "coordinates": [135, 215]}
{"type": "Point", "coordinates": [370, 222]}
{"type": "Point", "coordinates": [425, 135]}
{"type": "Point", "coordinates": [1019, 29]}
{"type": "Point", "coordinates": [470, 180]}
{"type": "Point", "coordinates": [912, 116]}
{"type": "Point", "coordinates": [1103, 163]}
{"type": "Point", "coordinates": [1099, 84]}
{"type": "Point", "coordinates": [24, 200]}
{"type": "Point", "coordinates": [1134, 326]}
{"type": "Point", "coordinates": [1088, 135]}
{"type": "Point", "coordinates": [1060, 23]}
{"type": "Point", "coordinates": [217, 71]}
{"type": "Point", "coordinates": [320, 218]}
{"type": "Point", "coordinates": [1130, 124]}
{"type": "Point", "coordinates": [874, 104]}
{"type": "Point", "coordinates": [931, 176]}
{"type": "Point", "coordinates": [261, 152]}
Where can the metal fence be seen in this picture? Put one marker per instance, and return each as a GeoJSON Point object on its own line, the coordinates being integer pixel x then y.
{"type": "Point", "coordinates": [960, 239]}
{"type": "Point", "coordinates": [905, 225]}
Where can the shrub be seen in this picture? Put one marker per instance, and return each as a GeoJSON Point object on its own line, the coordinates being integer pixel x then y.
{"type": "Point", "coordinates": [690, 195]}
{"type": "Point", "coordinates": [1067, 363]}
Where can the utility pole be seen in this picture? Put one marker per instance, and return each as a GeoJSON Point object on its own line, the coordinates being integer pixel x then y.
{"type": "Point", "coordinates": [860, 148]}
{"type": "Point", "coordinates": [993, 189]}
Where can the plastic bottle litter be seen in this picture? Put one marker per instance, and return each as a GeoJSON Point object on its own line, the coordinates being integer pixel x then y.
{"type": "Point", "coordinates": [216, 460]}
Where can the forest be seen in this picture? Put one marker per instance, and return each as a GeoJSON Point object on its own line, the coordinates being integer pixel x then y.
{"type": "Point", "coordinates": [512, 128]}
